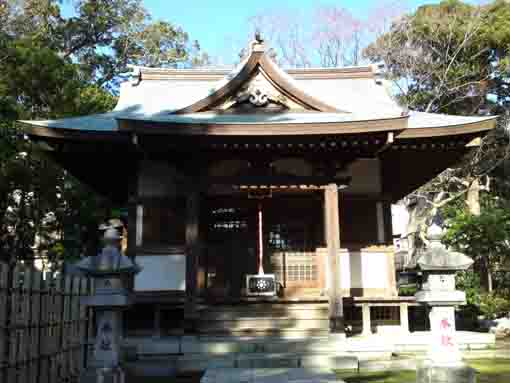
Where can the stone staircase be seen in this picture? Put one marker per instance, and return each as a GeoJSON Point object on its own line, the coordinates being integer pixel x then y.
{"type": "Point", "coordinates": [197, 353]}
{"type": "Point", "coordinates": [265, 319]}
{"type": "Point", "coordinates": [200, 353]}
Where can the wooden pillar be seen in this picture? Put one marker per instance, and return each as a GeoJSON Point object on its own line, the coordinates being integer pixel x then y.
{"type": "Point", "coordinates": [332, 226]}
{"type": "Point", "coordinates": [366, 320]}
{"type": "Point", "coordinates": [192, 252]}
{"type": "Point", "coordinates": [404, 317]}
{"type": "Point", "coordinates": [132, 224]}
{"type": "Point", "coordinates": [381, 233]}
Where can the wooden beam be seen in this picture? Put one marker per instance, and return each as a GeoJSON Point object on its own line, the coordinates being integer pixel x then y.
{"type": "Point", "coordinates": [332, 225]}
{"type": "Point", "coordinates": [278, 180]}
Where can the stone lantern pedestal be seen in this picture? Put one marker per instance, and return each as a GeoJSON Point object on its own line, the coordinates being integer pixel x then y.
{"type": "Point", "coordinates": [112, 273]}
{"type": "Point", "coordinates": [444, 362]}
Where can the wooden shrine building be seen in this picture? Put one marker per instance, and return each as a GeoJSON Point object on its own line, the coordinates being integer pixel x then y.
{"type": "Point", "coordinates": [259, 200]}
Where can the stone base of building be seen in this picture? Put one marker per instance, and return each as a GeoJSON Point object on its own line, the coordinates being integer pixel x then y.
{"type": "Point", "coordinates": [105, 375]}
{"type": "Point", "coordinates": [428, 373]}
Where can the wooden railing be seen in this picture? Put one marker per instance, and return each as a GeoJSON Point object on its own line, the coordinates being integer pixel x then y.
{"type": "Point", "coordinates": [44, 330]}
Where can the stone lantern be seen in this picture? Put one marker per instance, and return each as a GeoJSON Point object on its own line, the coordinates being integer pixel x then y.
{"type": "Point", "coordinates": [438, 292]}
{"type": "Point", "coordinates": [112, 273]}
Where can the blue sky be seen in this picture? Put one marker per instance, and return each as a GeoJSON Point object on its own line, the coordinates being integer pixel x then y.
{"type": "Point", "coordinates": [221, 26]}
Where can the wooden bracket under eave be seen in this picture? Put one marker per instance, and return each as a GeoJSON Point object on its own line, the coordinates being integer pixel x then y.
{"type": "Point", "coordinates": [389, 141]}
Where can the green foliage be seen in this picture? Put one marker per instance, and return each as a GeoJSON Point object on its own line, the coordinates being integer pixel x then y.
{"type": "Point", "coordinates": [484, 235]}
{"type": "Point", "coordinates": [469, 282]}
{"type": "Point", "coordinates": [486, 238]}
{"type": "Point", "coordinates": [449, 57]}
{"type": "Point", "coordinates": [407, 291]}
{"type": "Point", "coordinates": [493, 306]}
{"type": "Point", "coordinates": [52, 67]}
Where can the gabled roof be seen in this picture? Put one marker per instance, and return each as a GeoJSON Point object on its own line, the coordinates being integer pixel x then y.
{"type": "Point", "coordinates": [259, 98]}
{"type": "Point", "coordinates": [161, 91]}
{"type": "Point", "coordinates": [258, 63]}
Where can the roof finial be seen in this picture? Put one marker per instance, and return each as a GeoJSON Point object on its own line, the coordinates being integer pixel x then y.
{"type": "Point", "coordinates": [258, 36]}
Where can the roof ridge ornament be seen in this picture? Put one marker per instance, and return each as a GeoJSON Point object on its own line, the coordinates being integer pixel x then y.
{"type": "Point", "coordinates": [257, 45]}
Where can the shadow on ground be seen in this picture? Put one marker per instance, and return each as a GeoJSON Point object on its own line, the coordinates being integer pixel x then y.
{"type": "Point", "coordinates": [192, 377]}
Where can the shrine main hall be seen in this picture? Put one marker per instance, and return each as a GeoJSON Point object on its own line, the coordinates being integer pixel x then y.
{"type": "Point", "coordinates": [259, 200]}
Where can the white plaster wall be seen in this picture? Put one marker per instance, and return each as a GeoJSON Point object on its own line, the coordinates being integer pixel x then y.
{"type": "Point", "coordinates": [156, 179]}
{"type": "Point", "coordinates": [375, 270]}
{"type": "Point", "coordinates": [360, 269]}
{"type": "Point", "coordinates": [345, 269]}
{"type": "Point", "coordinates": [399, 219]}
{"type": "Point", "coordinates": [366, 176]}
{"type": "Point", "coordinates": [161, 273]}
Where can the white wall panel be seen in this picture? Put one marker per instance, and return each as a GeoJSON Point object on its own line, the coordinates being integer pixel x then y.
{"type": "Point", "coordinates": [161, 273]}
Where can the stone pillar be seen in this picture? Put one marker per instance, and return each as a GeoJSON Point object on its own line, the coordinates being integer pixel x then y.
{"type": "Point", "coordinates": [367, 323]}
{"type": "Point", "coordinates": [332, 226]}
{"type": "Point", "coordinates": [404, 317]}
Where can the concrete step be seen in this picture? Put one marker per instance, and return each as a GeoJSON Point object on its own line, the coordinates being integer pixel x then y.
{"type": "Point", "coordinates": [211, 345]}
{"type": "Point", "coordinates": [242, 324]}
{"type": "Point", "coordinates": [267, 332]}
{"type": "Point", "coordinates": [269, 345]}
{"type": "Point", "coordinates": [267, 375]}
{"type": "Point", "coordinates": [278, 312]}
{"type": "Point", "coordinates": [318, 361]}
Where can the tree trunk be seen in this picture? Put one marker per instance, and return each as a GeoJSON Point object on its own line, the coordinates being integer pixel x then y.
{"type": "Point", "coordinates": [473, 203]}
{"type": "Point", "coordinates": [473, 198]}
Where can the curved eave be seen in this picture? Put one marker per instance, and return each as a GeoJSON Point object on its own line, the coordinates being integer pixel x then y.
{"type": "Point", "coordinates": [72, 134]}
{"type": "Point", "coordinates": [278, 78]}
{"type": "Point", "coordinates": [481, 126]}
{"type": "Point", "coordinates": [263, 129]}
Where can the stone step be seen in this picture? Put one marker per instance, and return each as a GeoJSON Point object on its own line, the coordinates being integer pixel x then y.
{"type": "Point", "coordinates": [241, 324]}
{"type": "Point", "coordinates": [212, 346]}
{"type": "Point", "coordinates": [267, 375]}
{"type": "Point", "coordinates": [261, 306]}
{"type": "Point", "coordinates": [318, 361]}
{"type": "Point", "coordinates": [231, 314]}
{"type": "Point", "coordinates": [267, 332]}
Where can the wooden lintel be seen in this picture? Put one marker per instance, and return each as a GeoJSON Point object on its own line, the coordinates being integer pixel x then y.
{"type": "Point", "coordinates": [277, 181]}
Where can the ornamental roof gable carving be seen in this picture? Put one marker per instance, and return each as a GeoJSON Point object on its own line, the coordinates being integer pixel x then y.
{"type": "Point", "coordinates": [258, 85]}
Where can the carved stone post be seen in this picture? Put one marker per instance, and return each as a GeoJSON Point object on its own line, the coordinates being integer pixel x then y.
{"type": "Point", "coordinates": [112, 272]}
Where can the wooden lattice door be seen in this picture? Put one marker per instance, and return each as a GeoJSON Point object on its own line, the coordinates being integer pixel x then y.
{"type": "Point", "coordinates": [231, 250]}
{"type": "Point", "coordinates": [294, 231]}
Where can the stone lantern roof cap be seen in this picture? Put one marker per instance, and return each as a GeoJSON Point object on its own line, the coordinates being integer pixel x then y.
{"type": "Point", "coordinates": [438, 257]}
{"type": "Point", "coordinates": [109, 261]}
